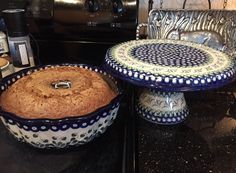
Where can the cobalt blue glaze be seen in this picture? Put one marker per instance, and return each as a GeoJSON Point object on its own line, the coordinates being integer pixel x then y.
{"type": "Point", "coordinates": [36, 126]}
{"type": "Point", "coordinates": [162, 86]}
{"type": "Point", "coordinates": [132, 61]}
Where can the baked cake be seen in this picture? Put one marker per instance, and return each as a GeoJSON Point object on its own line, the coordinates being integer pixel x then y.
{"type": "Point", "coordinates": [57, 93]}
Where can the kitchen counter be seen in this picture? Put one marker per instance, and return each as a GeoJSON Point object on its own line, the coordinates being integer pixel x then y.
{"type": "Point", "coordinates": [204, 143]}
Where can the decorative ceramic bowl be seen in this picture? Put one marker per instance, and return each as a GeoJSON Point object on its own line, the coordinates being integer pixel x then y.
{"type": "Point", "coordinates": [64, 132]}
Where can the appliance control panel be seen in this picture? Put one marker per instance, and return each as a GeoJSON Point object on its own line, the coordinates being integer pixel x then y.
{"type": "Point", "coordinates": [115, 13]}
{"type": "Point", "coordinates": [77, 19]}
{"type": "Point", "coordinates": [115, 6]}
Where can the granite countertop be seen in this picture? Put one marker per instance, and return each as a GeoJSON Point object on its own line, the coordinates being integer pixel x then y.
{"type": "Point", "coordinates": [204, 143]}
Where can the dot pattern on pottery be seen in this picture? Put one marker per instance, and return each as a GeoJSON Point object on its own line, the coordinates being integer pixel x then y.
{"type": "Point", "coordinates": [170, 65]}
{"type": "Point", "coordinates": [59, 133]}
{"type": "Point", "coordinates": [170, 55]}
{"type": "Point", "coordinates": [60, 138]}
{"type": "Point", "coordinates": [162, 107]}
{"type": "Point", "coordinates": [163, 117]}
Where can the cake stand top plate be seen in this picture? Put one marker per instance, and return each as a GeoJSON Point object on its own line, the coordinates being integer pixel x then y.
{"type": "Point", "coordinates": [170, 65]}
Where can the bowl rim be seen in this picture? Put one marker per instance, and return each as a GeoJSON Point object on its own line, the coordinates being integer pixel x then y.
{"type": "Point", "coordinates": [6, 114]}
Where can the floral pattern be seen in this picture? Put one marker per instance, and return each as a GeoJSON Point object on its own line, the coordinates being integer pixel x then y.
{"type": "Point", "coordinates": [162, 107]}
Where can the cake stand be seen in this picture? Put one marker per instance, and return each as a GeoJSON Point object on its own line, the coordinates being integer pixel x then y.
{"type": "Point", "coordinates": [167, 69]}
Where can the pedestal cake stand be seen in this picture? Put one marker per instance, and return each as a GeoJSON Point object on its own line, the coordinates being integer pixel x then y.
{"type": "Point", "coordinates": [167, 68]}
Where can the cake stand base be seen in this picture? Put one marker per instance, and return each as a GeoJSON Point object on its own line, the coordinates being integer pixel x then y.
{"type": "Point", "coordinates": [165, 108]}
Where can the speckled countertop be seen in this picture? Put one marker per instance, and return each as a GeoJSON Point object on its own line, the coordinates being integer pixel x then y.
{"type": "Point", "coordinates": [204, 143]}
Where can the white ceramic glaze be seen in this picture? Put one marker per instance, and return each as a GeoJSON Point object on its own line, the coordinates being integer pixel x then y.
{"type": "Point", "coordinates": [162, 107]}
{"type": "Point", "coordinates": [62, 138]}
{"type": "Point", "coordinates": [65, 132]}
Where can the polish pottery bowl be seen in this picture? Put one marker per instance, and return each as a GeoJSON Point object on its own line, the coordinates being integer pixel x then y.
{"type": "Point", "coordinates": [62, 132]}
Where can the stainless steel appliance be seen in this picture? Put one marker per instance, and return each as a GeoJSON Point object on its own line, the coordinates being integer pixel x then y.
{"type": "Point", "coordinates": [77, 30]}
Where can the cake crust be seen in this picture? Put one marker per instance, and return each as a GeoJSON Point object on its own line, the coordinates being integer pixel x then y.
{"type": "Point", "coordinates": [33, 96]}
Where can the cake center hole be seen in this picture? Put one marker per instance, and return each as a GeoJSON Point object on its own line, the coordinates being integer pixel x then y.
{"type": "Point", "coordinates": [64, 84]}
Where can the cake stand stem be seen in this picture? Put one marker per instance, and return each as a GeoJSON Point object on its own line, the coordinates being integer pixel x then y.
{"type": "Point", "coordinates": [165, 108]}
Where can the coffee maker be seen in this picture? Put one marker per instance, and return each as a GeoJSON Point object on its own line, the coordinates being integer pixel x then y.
{"type": "Point", "coordinates": [18, 38]}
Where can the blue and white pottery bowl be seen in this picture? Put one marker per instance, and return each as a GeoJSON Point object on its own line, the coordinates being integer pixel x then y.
{"type": "Point", "coordinates": [64, 132]}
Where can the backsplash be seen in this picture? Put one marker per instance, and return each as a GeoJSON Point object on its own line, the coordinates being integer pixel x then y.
{"type": "Point", "coordinates": [178, 4]}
